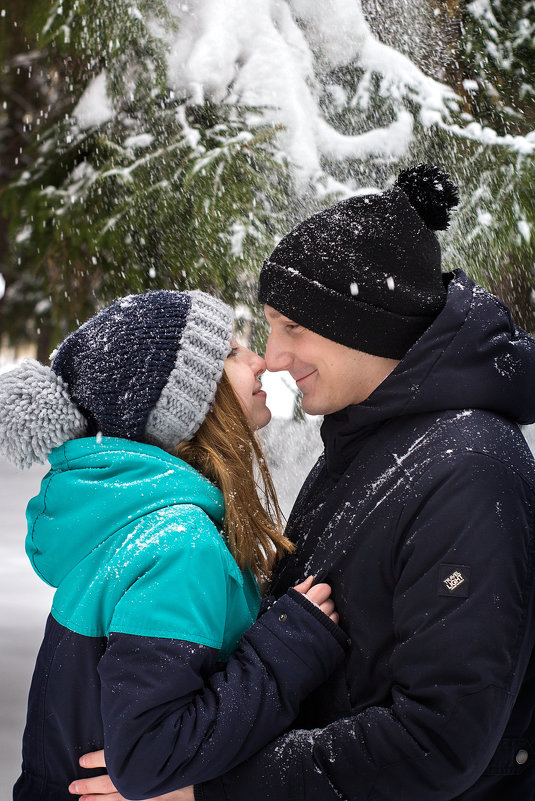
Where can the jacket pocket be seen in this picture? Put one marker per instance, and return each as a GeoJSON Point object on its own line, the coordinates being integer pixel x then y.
{"type": "Point", "coordinates": [513, 756]}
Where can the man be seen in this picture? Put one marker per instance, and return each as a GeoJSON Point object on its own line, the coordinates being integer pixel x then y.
{"type": "Point", "coordinates": [420, 513]}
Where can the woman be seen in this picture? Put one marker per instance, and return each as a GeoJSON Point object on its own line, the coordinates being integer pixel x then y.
{"type": "Point", "coordinates": [150, 527]}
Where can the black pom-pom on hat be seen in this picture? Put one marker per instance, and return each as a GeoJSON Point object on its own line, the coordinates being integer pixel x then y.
{"type": "Point", "coordinates": [431, 193]}
{"type": "Point", "coordinates": [366, 272]}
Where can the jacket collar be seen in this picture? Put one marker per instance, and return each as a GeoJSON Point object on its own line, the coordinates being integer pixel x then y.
{"type": "Point", "coordinates": [472, 356]}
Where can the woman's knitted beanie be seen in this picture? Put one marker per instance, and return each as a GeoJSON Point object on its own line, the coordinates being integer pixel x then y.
{"type": "Point", "coordinates": [145, 368]}
{"type": "Point", "coordinates": [366, 272]}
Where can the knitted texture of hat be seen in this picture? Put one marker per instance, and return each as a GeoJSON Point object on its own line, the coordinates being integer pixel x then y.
{"type": "Point", "coordinates": [190, 390]}
{"type": "Point", "coordinates": [366, 272]}
{"type": "Point", "coordinates": [118, 364]}
{"type": "Point", "coordinates": [36, 413]}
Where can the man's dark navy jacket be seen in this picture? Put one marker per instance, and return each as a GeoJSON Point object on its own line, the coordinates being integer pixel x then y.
{"type": "Point", "coordinates": [421, 514]}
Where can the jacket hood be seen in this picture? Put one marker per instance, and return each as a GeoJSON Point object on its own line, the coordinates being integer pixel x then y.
{"type": "Point", "coordinates": [98, 485]}
{"type": "Point", "coordinates": [471, 357]}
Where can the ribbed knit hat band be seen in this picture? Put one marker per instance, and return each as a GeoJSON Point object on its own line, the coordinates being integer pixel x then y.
{"type": "Point", "coordinates": [366, 272]}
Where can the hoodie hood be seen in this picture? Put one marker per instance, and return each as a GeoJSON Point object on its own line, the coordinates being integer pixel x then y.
{"type": "Point", "coordinates": [98, 485]}
{"type": "Point", "coordinates": [471, 357]}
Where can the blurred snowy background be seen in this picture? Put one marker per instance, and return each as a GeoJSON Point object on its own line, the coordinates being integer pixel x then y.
{"type": "Point", "coordinates": [24, 605]}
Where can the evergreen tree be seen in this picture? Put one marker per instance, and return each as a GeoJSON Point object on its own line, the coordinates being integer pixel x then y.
{"type": "Point", "coordinates": [127, 183]}
{"type": "Point", "coordinates": [129, 187]}
{"type": "Point", "coordinates": [491, 149]}
{"type": "Point", "coordinates": [24, 104]}
{"type": "Point", "coordinates": [499, 55]}
{"type": "Point", "coordinates": [485, 138]}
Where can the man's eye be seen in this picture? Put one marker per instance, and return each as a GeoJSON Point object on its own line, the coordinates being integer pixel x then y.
{"type": "Point", "coordinates": [233, 352]}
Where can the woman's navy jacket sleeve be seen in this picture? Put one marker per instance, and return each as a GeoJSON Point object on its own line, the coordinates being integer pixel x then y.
{"type": "Point", "coordinates": [173, 714]}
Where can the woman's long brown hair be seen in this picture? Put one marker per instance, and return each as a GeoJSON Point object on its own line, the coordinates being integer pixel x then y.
{"type": "Point", "coordinates": [225, 450]}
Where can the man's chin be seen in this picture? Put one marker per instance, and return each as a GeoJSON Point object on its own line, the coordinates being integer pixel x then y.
{"type": "Point", "coordinates": [318, 407]}
{"type": "Point", "coordinates": [309, 407]}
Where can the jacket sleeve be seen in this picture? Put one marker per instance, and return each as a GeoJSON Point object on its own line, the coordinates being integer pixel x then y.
{"type": "Point", "coordinates": [172, 714]}
{"type": "Point", "coordinates": [463, 614]}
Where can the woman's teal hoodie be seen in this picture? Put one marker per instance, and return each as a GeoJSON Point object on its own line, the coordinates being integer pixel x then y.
{"type": "Point", "coordinates": [131, 537]}
{"type": "Point", "coordinates": [149, 606]}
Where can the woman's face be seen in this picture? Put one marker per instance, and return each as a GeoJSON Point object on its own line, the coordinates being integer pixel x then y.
{"type": "Point", "coordinates": [243, 369]}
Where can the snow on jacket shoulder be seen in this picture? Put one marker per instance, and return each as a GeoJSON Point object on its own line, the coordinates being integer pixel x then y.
{"type": "Point", "coordinates": [149, 606]}
{"type": "Point", "coordinates": [421, 514]}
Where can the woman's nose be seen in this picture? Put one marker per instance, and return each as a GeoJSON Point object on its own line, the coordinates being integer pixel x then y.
{"type": "Point", "coordinates": [259, 366]}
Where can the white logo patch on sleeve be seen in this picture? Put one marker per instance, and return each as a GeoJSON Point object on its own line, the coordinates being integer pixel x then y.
{"type": "Point", "coordinates": [454, 580]}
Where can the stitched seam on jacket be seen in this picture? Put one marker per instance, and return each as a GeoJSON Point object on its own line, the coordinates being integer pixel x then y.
{"type": "Point", "coordinates": [43, 706]}
{"type": "Point", "coordinates": [442, 353]}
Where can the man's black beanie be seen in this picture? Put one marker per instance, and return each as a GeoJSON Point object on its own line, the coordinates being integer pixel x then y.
{"type": "Point", "coordinates": [366, 272]}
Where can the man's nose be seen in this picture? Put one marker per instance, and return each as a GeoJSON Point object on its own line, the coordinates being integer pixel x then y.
{"type": "Point", "coordinates": [277, 358]}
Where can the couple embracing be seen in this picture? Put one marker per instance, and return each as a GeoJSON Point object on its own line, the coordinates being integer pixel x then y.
{"type": "Point", "coordinates": [379, 649]}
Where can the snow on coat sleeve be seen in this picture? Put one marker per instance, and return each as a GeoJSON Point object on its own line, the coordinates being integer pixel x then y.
{"type": "Point", "coordinates": [172, 714]}
{"type": "Point", "coordinates": [457, 666]}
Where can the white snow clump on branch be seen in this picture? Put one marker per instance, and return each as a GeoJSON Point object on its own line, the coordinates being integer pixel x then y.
{"type": "Point", "coordinates": [272, 54]}
{"type": "Point", "coordinates": [94, 107]}
{"type": "Point", "coordinates": [267, 53]}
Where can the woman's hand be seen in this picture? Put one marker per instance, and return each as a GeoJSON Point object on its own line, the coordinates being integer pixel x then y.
{"type": "Point", "coordinates": [320, 595]}
{"type": "Point", "coordinates": [101, 788]}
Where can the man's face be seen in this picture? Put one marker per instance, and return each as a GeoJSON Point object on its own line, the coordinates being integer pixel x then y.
{"type": "Point", "coordinates": [329, 375]}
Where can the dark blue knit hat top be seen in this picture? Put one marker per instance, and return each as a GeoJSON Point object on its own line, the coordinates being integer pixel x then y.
{"type": "Point", "coordinates": [117, 364]}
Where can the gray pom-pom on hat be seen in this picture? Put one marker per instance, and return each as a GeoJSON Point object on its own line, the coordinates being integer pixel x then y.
{"type": "Point", "coordinates": [36, 413]}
